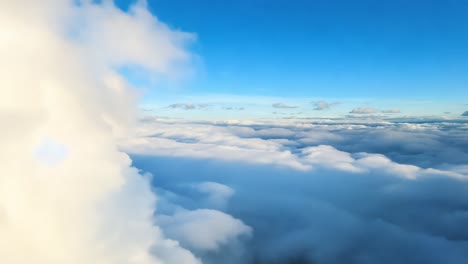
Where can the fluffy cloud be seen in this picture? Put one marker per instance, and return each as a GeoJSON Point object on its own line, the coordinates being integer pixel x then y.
{"type": "Point", "coordinates": [203, 229]}
{"type": "Point", "coordinates": [218, 194]}
{"type": "Point", "coordinates": [67, 194]}
{"type": "Point", "coordinates": [322, 105]}
{"type": "Point", "coordinates": [363, 110]}
{"type": "Point", "coordinates": [422, 144]}
{"type": "Point", "coordinates": [281, 105]}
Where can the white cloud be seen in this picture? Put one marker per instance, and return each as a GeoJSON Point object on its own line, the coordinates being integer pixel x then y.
{"type": "Point", "coordinates": [204, 229]}
{"type": "Point", "coordinates": [64, 105]}
{"type": "Point", "coordinates": [218, 194]}
{"type": "Point", "coordinates": [299, 146]}
{"type": "Point", "coordinates": [328, 156]}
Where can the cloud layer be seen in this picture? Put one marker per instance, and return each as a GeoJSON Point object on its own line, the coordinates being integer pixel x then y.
{"type": "Point", "coordinates": [316, 192]}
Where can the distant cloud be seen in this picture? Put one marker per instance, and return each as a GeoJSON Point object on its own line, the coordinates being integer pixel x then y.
{"type": "Point", "coordinates": [391, 111]}
{"type": "Point", "coordinates": [234, 108]}
{"type": "Point", "coordinates": [322, 105]}
{"type": "Point", "coordinates": [187, 106]}
{"type": "Point", "coordinates": [281, 105]}
{"type": "Point", "coordinates": [465, 113]}
{"type": "Point", "coordinates": [363, 110]}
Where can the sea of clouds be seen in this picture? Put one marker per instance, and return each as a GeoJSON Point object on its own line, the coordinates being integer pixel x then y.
{"type": "Point", "coordinates": [84, 180]}
{"type": "Point", "coordinates": [310, 191]}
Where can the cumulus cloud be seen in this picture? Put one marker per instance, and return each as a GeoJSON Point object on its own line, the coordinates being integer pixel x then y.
{"type": "Point", "coordinates": [218, 194]}
{"type": "Point", "coordinates": [203, 229]}
{"type": "Point", "coordinates": [363, 110]}
{"type": "Point", "coordinates": [465, 113]}
{"type": "Point", "coordinates": [430, 144]}
{"type": "Point", "coordinates": [67, 194]}
{"type": "Point", "coordinates": [281, 105]}
{"type": "Point", "coordinates": [322, 105]}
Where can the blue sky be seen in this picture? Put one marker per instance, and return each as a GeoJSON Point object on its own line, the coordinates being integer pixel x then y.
{"type": "Point", "coordinates": [379, 54]}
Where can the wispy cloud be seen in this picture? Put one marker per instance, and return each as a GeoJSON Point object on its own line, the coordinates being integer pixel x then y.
{"type": "Point", "coordinates": [391, 111]}
{"type": "Point", "coordinates": [187, 106]}
{"type": "Point", "coordinates": [363, 110]}
{"type": "Point", "coordinates": [281, 105]}
{"type": "Point", "coordinates": [322, 105]}
{"type": "Point", "coordinates": [234, 108]}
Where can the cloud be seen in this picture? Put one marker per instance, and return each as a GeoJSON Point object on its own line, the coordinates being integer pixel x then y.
{"type": "Point", "coordinates": [390, 111]}
{"type": "Point", "coordinates": [68, 195]}
{"type": "Point", "coordinates": [465, 113]}
{"type": "Point", "coordinates": [281, 105]}
{"type": "Point", "coordinates": [363, 110]}
{"type": "Point", "coordinates": [187, 106]}
{"type": "Point", "coordinates": [278, 142]}
{"type": "Point", "coordinates": [322, 105]}
{"type": "Point", "coordinates": [218, 194]}
{"type": "Point", "coordinates": [203, 229]}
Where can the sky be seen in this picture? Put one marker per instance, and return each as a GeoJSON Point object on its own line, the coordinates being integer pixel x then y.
{"type": "Point", "coordinates": [406, 55]}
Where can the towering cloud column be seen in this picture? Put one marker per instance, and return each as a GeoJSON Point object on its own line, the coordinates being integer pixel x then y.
{"type": "Point", "coordinates": [67, 194]}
